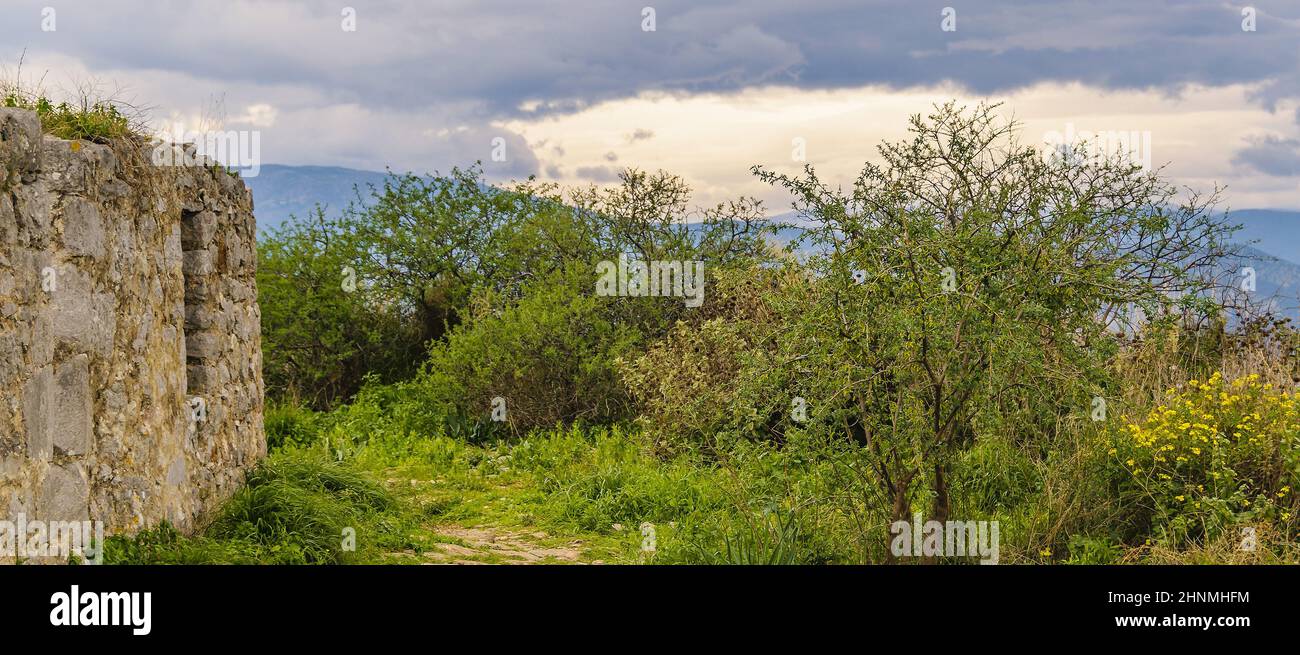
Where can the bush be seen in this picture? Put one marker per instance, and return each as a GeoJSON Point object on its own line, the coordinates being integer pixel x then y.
{"type": "Point", "coordinates": [686, 384]}
{"type": "Point", "coordinates": [549, 358]}
{"type": "Point", "coordinates": [321, 335]}
{"type": "Point", "coordinates": [1214, 455]}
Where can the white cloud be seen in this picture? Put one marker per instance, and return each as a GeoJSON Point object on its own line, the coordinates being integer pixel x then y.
{"type": "Point", "coordinates": [713, 139]}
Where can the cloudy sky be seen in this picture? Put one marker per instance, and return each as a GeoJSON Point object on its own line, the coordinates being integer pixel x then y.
{"type": "Point", "coordinates": [576, 90]}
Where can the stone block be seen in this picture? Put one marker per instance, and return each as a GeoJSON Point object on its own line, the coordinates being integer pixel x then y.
{"type": "Point", "coordinates": [33, 206]}
{"type": "Point", "coordinates": [64, 495]}
{"type": "Point", "coordinates": [197, 263]}
{"type": "Point", "coordinates": [70, 414]}
{"type": "Point", "coordinates": [74, 170]}
{"type": "Point", "coordinates": [202, 345]}
{"type": "Point", "coordinates": [20, 145]}
{"type": "Point", "coordinates": [82, 318]}
{"type": "Point", "coordinates": [198, 230]}
{"type": "Point", "coordinates": [38, 394]}
{"type": "Point", "coordinates": [198, 317]}
{"type": "Point", "coordinates": [83, 229]}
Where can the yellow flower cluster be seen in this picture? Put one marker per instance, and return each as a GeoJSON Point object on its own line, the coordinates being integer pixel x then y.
{"type": "Point", "coordinates": [1212, 441]}
{"type": "Point", "coordinates": [1210, 415]}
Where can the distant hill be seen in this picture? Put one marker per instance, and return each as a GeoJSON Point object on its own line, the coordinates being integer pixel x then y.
{"type": "Point", "coordinates": [1275, 232]}
{"type": "Point", "coordinates": [283, 191]}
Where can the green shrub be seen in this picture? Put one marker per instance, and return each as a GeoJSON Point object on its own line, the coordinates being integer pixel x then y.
{"type": "Point", "coordinates": [686, 384]}
{"type": "Point", "coordinates": [288, 424]}
{"type": "Point", "coordinates": [549, 358]}
{"type": "Point", "coordinates": [321, 335]}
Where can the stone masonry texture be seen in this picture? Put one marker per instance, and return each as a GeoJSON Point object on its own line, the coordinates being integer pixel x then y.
{"type": "Point", "coordinates": [130, 348]}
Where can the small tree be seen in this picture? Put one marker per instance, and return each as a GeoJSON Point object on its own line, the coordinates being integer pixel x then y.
{"type": "Point", "coordinates": [967, 279]}
{"type": "Point", "coordinates": [322, 331]}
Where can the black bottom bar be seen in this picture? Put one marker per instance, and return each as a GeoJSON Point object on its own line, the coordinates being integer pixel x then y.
{"type": "Point", "coordinates": [933, 605]}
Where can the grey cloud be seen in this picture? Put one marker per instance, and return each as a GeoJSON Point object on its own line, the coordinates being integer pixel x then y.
{"type": "Point", "coordinates": [470, 64]}
{"type": "Point", "coordinates": [598, 173]}
{"type": "Point", "coordinates": [565, 56]}
{"type": "Point", "coordinates": [361, 138]}
{"type": "Point", "coordinates": [1271, 155]}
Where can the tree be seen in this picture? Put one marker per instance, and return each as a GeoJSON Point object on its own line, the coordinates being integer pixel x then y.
{"type": "Point", "coordinates": [322, 332]}
{"type": "Point", "coordinates": [967, 278]}
{"type": "Point", "coordinates": [367, 291]}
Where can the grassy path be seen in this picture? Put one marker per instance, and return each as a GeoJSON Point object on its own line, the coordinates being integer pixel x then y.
{"type": "Point", "coordinates": [492, 520]}
{"type": "Point", "coordinates": [558, 498]}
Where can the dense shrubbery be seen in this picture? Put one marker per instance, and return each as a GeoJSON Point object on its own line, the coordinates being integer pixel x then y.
{"type": "Point", "coordinates": [686, 383]}
{"type": "Point", "coordinates": [454, 264]}
{"type": "Point", "coordinates": [549, 358]}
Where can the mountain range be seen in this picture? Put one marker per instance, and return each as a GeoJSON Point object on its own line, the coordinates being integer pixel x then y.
{"type": "Point", "coordinates": [280, 192]}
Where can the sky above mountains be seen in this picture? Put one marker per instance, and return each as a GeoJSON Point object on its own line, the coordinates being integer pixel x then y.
{"type": "Point", "coordinates": [573, 91]}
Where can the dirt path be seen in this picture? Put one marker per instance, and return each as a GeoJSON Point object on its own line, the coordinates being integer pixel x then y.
{"type": "Point", "coordinates": [485, 545]}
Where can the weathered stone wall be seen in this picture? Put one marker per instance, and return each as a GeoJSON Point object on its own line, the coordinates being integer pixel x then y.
{"type": "Point", "coordinates": [130, 349]}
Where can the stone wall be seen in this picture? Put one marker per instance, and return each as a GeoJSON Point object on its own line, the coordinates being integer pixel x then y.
{"type": "Point", "coordinates": [130, 349]}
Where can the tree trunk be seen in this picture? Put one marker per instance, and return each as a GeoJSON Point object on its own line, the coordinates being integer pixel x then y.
{"type": "Point", "coordinates": [901, 510]}
{"type": "Point", "coordinates": [942, 503]}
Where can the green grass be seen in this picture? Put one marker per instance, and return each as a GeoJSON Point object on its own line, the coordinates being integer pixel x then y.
{"type": "Point", "coordinates": [406, 495]}
{"type": "Point", "coordinates": [101, 122]}
{"type": "Point", "coordinates": [403, 493]}
{"type": "Point", "coordinates": [297, 507]}
{"type": "Point", "coordinates": [413, 497]}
